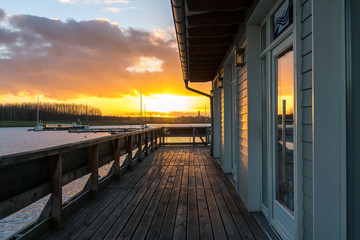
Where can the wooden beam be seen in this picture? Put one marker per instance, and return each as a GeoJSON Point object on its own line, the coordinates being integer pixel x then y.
{"type": "Point", "coordinates": [209, 49]}
{"type": "Point", "coordinates": [202, 68]}
{"type": "Point", "coordinates": [207, 65]}
{"type": "Point", "coordinates": [200, 79]}
{"type": "Point", "coordinates": [219, 31]}
{"type": "Point", "coordinates": [216, 18]}
{"type": "Point", "coordinates": [156, 139]}
{"type": "Point", "coordinates": [24, 199]}
{"type": "Point", "coordinates": [195, 55]}
{"type": "Point", "coordinates": [56, 191]}
{"type": "Point", "coordinates": [94, 177]}
{"type": "Point", "coordinates": [194, 41]}
{"type": "Point", "coordinates": [146, 144]}
{"type": "Point", "coordinates": [139, 145]}
{"type": "Point", "coordinates": [151, 141]}
{"type": "Point", "coordinates": [215, 5]}
{"type": "Point", "coordinates": [129, 152]}
{"type": "Point", "coordinates": [214, 61]}
{"type": "Point", "coordinates": [203, 73]}
{"type": "Point", "coordinates": [116, 157]}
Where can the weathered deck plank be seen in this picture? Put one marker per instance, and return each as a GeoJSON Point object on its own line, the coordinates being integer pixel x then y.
{"type": "Point", "coordinates": [175, 193]}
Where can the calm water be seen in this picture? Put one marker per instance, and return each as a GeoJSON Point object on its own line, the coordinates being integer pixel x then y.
{"type": "Point", "coordinates": [17, 140]}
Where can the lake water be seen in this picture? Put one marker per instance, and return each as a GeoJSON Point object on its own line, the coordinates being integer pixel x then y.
{"type": "Point", "coordinates": [17, 140]}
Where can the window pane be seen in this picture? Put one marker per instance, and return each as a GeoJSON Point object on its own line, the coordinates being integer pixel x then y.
{"type": "Point", "coordinates": [285, 131]}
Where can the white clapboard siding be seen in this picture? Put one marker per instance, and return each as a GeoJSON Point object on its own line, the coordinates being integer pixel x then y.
{"type": "Point", "coordinates": [222, 147]}
{"type": "Point", "coordinates": [306, 90]}
{"type": "Point", "coordinates": [242, 103]}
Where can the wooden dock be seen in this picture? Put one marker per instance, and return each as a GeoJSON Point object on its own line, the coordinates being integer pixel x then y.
{"type": "Point", "coordinates": [175, 193]}
{"type": "Point", "coordinates": [155, 192]}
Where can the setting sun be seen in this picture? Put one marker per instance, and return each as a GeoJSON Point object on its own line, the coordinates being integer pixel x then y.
{"type": "Point", "coordinates": [166, 103]}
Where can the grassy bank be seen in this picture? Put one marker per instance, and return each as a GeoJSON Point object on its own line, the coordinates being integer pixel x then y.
{"type": "Point", "coordinates": [93, 123]}
{"type": "Point", "coordinates": [33, 123]}
{"type": "Point", "coordinates": [17, 123]}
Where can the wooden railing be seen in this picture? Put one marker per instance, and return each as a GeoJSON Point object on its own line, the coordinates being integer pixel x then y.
{"type": "Point", "coordinates": [200, 133]}
{"type": "Point", "coordinates": [28, 177]}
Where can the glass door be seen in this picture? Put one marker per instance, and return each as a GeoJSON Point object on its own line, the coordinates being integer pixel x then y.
{"type": "Point", "coordinates": [283, 137]}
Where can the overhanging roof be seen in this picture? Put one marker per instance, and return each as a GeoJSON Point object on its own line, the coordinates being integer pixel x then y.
{"type": "Point", "coordinates": [205, 30]}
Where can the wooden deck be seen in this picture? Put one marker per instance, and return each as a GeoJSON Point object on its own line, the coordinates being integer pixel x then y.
{"type": "Point", "coordinates": [175, 193]}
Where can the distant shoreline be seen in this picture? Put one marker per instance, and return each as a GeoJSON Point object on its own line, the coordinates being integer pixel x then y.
{"type": "Point", "coordinates": [4, 124]}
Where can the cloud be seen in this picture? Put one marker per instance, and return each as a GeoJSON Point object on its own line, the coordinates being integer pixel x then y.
{"type": "Point", "coordinates": [113, 9]}
{"type": "Point", "coordinates": [146, 64]}
{"type": "Point", "coordinates": [66, 59]}
{"type": "Point", "coordinates": [93, 1]}
{"type": "Point", "coordinates": [117, 9]}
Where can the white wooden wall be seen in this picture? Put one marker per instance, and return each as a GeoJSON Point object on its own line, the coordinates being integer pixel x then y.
{"type": "Point", "coordinates": [242, 185]}
{"type": "Point", "coordinates": [306, 107]}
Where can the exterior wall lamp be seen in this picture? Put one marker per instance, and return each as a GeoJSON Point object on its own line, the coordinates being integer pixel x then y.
{"type": "Point", "coordinates": [239, 57]}
{"type": "Point", "coordinates": [220, 82]}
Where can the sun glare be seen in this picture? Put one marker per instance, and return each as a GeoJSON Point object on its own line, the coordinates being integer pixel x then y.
{"type": "Point", "coordinates": [166, 103]}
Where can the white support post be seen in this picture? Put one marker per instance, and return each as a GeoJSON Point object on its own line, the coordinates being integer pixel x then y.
{"type": "Point", "coordinates": [226, 164]}
{"type": "Point", "coordinates": [254, 119]}
{"type": "Point", "coordinates": [329, 126]}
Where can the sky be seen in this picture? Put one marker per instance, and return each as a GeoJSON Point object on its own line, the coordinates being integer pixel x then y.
{"type": "Point", "coordinates": [102, 53]}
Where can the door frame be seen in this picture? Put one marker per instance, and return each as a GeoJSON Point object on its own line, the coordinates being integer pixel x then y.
{"type": "Point", "coordinates": [281, 219]}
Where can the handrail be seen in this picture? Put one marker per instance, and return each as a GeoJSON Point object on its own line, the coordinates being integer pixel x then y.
{"type": "Point", "coordinates": [193, 132]}
{"type": "Point", "coordinates": [27, 177]}
{"type": "Point", "coordinates": [24, 156]}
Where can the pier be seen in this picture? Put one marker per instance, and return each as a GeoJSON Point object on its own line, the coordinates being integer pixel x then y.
{"type": "Point", "coordinates": [157, 192]}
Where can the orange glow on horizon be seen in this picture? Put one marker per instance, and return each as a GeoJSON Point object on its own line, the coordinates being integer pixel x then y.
{"type": "Point", "coordinates": [155, 105]}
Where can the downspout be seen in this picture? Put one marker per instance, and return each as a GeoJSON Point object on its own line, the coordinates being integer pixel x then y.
{"type": "Point", "coordinates": [211, 113]}
{"type": "Point", "coordinates": [178, 8]}
{"type": "Point", "coordinates": [196, 91]}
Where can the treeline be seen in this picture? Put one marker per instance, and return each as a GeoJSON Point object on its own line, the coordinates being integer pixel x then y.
{"type": "Point", "coordinates": [48, 112]}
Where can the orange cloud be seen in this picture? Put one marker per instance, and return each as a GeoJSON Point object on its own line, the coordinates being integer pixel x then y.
{"type": "Point", "coordinates": [91, 59]}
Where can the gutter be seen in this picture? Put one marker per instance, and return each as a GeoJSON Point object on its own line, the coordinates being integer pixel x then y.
{"type": "Point", "coordinates": [196, 91]}
{"type": "Point", "coordinates": [178, 9]}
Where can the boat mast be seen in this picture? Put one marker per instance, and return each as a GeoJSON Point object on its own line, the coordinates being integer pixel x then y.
{"type": "Point", "coordinates": [87, 123]}
{"type": "Point", "coordinates": [145, 114]}
{"type": "Point", "coordinates": [141, 109]}
{"type": "Point", "coordinates": [37, 111]}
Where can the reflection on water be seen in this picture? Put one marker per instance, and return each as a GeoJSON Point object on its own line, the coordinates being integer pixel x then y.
{"type": "Point", "coordinates": [16, 140]}
{"type": "Point", "coordinates": [22, 218]}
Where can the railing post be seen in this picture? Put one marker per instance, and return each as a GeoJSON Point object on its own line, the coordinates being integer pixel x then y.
{"type": "Point", "coordinates": [151, 141]}
{"type": "Point", "coordinates": [159, 133]}
{"type": "Point", "coordinates": [56, 191]}
{"type": "Point", "coordinates": [207, 136]}
{"type": "Point", "coordinates": [139, 147]}
{"type": "Point", "coordinates": [156, 141]}
{"type": "Point", "coordinates": [193, 136]}
{"type": "Point", "coordinates": [129, 152]}
{"type": "Point", "coordinates": [94, 177]}
{"type": "Point", "coordinates": [163, 136]}
{"type": "Point", "coordinates": [116, 158]}
{"type": "Point", "coordinates": [146, 144]}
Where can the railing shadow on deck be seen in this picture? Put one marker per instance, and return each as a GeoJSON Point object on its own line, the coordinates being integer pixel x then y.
{"type": "Point", "coordinates": [27, 177]}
